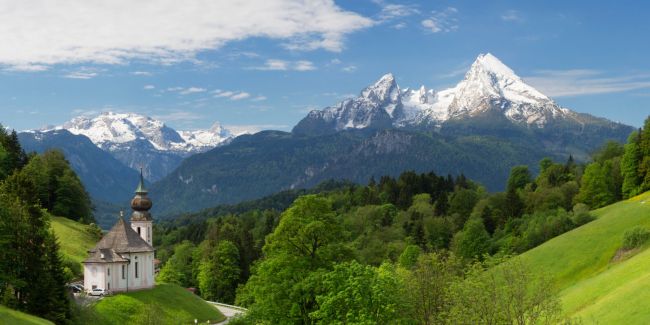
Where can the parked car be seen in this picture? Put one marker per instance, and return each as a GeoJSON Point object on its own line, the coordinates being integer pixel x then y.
{"type": "Point", "coordinates": [97, 292]}
{"type": "Point", "coordinates": [75, 288]}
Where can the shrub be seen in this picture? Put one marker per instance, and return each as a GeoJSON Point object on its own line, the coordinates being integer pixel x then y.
{"type": "Point", "coordinates": [635, 237]}
{"type": "Point", "coordinates": [581, 214]}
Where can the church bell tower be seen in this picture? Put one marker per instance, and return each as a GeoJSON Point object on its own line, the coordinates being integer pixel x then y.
{"type": "Point", "coordinates": [141, 220]}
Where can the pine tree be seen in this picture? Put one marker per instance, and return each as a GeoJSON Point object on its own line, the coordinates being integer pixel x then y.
{"type": "Point", "coordinates": [630, 166]}
{"type": "Point", "coordinates": [644, 149]}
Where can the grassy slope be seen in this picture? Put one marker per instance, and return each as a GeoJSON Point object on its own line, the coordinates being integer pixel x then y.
{"type": "Point", "coordinates": [13, 317]}
{"type": "Point", "coordinates": [74, 240]}
{"type": "Point", "coordinates": [173, 302]}
{"type": "Point", "coordinates": [590, 285]}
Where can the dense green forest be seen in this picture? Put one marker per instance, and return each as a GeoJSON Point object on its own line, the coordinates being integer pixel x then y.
{"type": "Point", "coordinates": [419, 248]}
{"type": "Point", "coordinates": [359, 253]}
{"type": "Point", "coordinates": [32, 187]}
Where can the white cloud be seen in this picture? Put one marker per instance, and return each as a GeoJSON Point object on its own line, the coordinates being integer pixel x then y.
{"type": "Point", "coordinates": [27, 67]}
{"type": "Point", "coordinates": [577, 82]}
{"type": "Point", "coordinates": [401, 25]}
{"type": "Point", "coordinates": [335, 61]}
{"type": "Point", "coordinates": [241, 95]}
{"type": "Point", "coordinates": [142, 73]}
{"type": "Point", "coordinates": [283, 65]}
{"type": "Point", "coordinates": [304, 66]}
{"type": "Point", "coordinates": [391, 11]}
{"type": "Point", "coordinates": [45, 32]}
{"type": "Point", "coordinates": [273, 64]}
{"type": "Point", "coordinates": [81, 74]}
{"type": "Point", "coordinates": [149, 87]}
{"type": "Point", "coordinates": [442, 21]}
{"type": "Point", "coordinates": [512, 15]}
{"type": "Point", "coordinates": [192, 90]}
{"type": "Point", "coordinates": [236, 95]}
{"type": "Point", "coordinates": [223, 94]}
{"type": "Point", "coordinates": [350, 68]}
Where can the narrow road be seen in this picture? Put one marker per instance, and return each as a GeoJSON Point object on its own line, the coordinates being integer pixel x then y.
{"type": "Point", "coordinates": [228, 311]}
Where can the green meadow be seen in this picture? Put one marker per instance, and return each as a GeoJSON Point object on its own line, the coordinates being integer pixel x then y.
{"type": "Point", "coordinates": [594, 285]}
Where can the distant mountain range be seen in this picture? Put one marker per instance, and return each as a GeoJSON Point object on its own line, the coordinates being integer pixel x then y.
{"type": "Point", "coordinates": [140, 141]}
{"type": "Point", "coordinates": [104, 177]}
{"type": "Point", "coordinates": [489, 122]}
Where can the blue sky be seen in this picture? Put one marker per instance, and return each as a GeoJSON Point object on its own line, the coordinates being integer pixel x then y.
{"type": "Point", "coordinates": [265, 64]}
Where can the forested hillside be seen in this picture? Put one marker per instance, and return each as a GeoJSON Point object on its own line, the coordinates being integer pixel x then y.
{"type": "Point", "coordinates": [444, 237]}
{"type": "Point", "coordinates": [33, 187]}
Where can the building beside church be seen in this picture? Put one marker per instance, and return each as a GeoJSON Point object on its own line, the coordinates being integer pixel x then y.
{"type": "Point", "coordinates": [123, 259]}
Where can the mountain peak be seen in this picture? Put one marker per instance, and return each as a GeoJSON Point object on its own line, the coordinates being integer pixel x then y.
{"type": "Point", "coordinates": [383, 90]}
{"type": "Point", "coordinates": [491, 63]}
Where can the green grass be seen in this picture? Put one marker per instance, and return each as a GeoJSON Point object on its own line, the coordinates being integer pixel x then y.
{"type": "Point", "coordinates": [14, 317]}
{"type": "Point", "coordinates": [167, 303]}
{"type": "Point", "coordinates": [590, 284]}
{"type": "Point", "coordinates": [74, 239]}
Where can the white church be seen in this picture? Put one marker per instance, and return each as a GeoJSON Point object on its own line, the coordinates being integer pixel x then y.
{"type": "Point", "coordinates": [123, 259]}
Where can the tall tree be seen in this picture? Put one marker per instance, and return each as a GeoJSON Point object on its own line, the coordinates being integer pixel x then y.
{"type": "Point", "coordinates": [219, 273]}
{"type": "Point", "coordinates": [306, 243]}
{"type": "Point", "coordinates": [630, 166]}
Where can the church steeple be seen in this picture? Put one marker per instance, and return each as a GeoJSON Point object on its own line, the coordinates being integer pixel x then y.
{"type": "Point", "coordinates": [141, 203]}
{"type": "Point", "coordinates": [141, 220]}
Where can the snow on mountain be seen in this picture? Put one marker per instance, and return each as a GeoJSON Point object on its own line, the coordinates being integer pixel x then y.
{"type": "Point", "coordinates": [488, 85]}
{"type": "Point", "coordinates": [216, 135]}
{"type": "Point", "coordinates": [114, 130]}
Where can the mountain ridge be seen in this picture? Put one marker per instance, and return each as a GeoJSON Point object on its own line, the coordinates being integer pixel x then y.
{"type": "Point", "coordinates": [489, 85]}
{"type": "Point", "coordinates": [140, 141]}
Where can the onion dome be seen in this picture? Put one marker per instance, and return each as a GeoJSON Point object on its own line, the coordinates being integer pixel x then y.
{"type": "Point", "coordinates": [141, 203]}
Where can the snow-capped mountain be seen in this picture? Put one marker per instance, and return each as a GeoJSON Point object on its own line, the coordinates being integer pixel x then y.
{"type": "Point", "coordinates": [140, 141]}
{"type": "Point", "coordinates": [488, 85]}
{"type": "Point", "coordinates": [110, 131]}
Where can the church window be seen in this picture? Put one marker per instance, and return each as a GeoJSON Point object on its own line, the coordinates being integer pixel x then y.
{"type": "Point", "coordinates": [138, 230]}
{"type": "Point", "coordinates": [108, 271]}
{"type": "Point", "coordinates": [123, 273]}
{"type": "Point", "coordinates": [136, 270]}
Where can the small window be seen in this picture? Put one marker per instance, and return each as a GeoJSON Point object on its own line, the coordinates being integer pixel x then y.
{"type": "Point", "coordinates": [138, 230]}
{"type": "Point", "coordinates": [123, 272]}
{"type": "Point", "coordinates": [136, 270]}
{"type": "Point", "coordinates": [108, 271]}
{"type": "Point", "coordinates": [94, 286]}
{"type": "Point", "coordinates": [109, 286]}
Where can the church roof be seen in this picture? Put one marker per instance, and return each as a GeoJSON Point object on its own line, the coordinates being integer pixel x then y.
{"type": "Point", "coordinates": [120, 239]}
{"type": "Point", "coordinates": [104, 255]}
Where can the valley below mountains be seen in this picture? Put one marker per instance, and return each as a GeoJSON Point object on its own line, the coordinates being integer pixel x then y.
{"type": "Point", "coordinates": [489, 122]}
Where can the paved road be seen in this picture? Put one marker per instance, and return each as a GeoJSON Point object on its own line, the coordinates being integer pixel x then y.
{"type": "Point", "coordinates": [228, 312]}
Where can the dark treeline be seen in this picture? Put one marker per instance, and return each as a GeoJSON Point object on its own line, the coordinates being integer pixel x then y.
{"type": "Point", "coordinates": [32, 273]}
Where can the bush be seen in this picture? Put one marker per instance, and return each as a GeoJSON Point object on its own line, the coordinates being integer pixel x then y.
{"type": "Point", "coordinates": [635, 237]}
{"type": "Point", "coordinates": [581, 214]}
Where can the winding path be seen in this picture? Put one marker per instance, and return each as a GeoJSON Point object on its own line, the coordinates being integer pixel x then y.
{"type": "Point", "coordinates": [229, 311]}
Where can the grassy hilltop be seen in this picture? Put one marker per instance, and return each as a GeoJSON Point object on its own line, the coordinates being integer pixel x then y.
{"type": "Point", "coordinates": [74, 238]}
{"type": "Point", "coordinates": [164, 304]}
{"type": "Point", "coordinates": [593, 285]}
